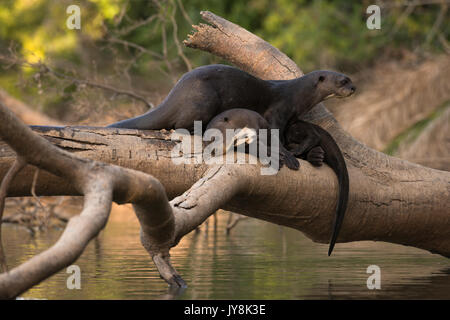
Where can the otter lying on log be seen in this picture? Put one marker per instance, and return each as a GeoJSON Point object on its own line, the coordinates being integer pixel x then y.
{"type": "Point", "coordinates": [209, 90]}
{"type": "Point", "coordinates": [305, 140]}
{"type": "Point", "coordinates": [239, 100]}
{"type": "Point", "coordinates": [317, 145]}
{"type": "Point", "coordinates": [250, 123]}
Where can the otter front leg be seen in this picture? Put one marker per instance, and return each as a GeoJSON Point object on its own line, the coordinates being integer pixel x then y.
{"type": "Point", "coordinates": [278, 122]}
{"type": "Point", "coordinates": [288, 158]}
{"type": "Point", "coordinates": [285, 157]}
{"type": "Point", "coordinates": [304, 141]}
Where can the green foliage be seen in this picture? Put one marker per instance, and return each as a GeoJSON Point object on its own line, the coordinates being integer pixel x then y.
{"type": "Point", "coordinates": [38, 27]}
{"type": "Point", "coordinates": [315, 34]}
{"type": "Point", "coordinates": [334, 33]}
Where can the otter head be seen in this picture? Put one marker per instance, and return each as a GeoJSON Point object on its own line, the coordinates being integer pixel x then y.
{"type": "Point", "coordinates": [333, 84]}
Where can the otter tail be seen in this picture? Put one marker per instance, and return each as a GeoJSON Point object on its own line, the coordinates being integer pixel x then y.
{"type": "Point", "coordinates": [154, 119]}
{"type": "Point", "coordinates": [334, 158]}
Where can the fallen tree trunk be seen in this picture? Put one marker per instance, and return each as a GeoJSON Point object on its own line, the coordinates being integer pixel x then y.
{"type": "Point", "coordinates": [390, 199]}
{"type": "Point", "coordinates": [394, 99]}
{"type": "Point", "coordinates": [25, 113]}
{"type": "Point", "coordinates": [432, 147]}
{"type": "Point", "coordinates": [398, 204]}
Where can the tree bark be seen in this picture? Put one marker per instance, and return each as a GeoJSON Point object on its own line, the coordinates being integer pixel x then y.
{"type": "Point", "coordinates": [389, 203]}
{"type": "Point", "coordinates": [432, 147]}
{"type": "Point", "coordinates": [390, 199]}
{"type": "Point", "coordinates": [394, 99]}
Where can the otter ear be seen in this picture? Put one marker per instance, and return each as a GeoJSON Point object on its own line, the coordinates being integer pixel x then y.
{"type": "Point", "coordinates": [320, 79]}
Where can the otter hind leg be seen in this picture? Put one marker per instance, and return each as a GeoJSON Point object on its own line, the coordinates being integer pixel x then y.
{"type": "Point", "coordinates": [316, 156]}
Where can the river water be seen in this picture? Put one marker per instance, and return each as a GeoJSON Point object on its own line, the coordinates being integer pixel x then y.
{"type": "Point", "coordinates": [257, 260]}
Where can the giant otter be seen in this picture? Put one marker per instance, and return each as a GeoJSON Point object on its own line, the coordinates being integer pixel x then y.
{"type": "Point", "coordinates": [247, 119]}
{"type": "Point", "coordinates": [304, 138]}
{"type": "Point", "coordinates": [209, 90]}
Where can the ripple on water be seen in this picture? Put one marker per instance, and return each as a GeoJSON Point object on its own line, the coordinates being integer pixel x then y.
{"type": "Point", "coordinates": [257, 260]}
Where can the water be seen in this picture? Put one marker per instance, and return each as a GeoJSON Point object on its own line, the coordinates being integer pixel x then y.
{"type": "Point", "coordinates": [257, 260]}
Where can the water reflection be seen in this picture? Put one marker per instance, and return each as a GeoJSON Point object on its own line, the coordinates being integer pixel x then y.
{"type": "Point", "coordinates": [256, 261]}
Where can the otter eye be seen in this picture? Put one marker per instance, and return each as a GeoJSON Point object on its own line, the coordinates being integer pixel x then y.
{"type": "Point", "coordinates": [344, 82]}
{"type": "Point", "coordinates": [321, 78]}
{"type": "Point", "coordinates": [225, 119]}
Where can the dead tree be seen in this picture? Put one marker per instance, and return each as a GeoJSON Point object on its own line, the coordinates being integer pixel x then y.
{"type": "Point", "coordinates": [391, 199]}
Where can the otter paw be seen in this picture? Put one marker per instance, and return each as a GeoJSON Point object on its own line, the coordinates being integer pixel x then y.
{"type": "Point", "coordinates": [316, 156]}
{"type": "Point", "coordinates": [289, 160]}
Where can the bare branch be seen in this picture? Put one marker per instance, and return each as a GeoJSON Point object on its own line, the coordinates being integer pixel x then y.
{"type": "Point", "coordinates": [391, 200]}
{"type": "Point", "coordinates": [444, 43]}
{"type": "Point", "coordinates": [392, 4]}
{"type": "Point", "coordinates": [101, 184]}
{"type": "Point", "coordinates": [135, 46]}
{"type": "Point", "coordinates": [218, 186]}
{"type": "Point", "coordinates": [162, 18]}
{"type": "Point", "coordinates": [242, 48]}
{"type": "Point", "coordinates": [175, 37]}
{"type": "Point", "coordinates": [183, 11]}
{"type": "Point", "coordinates": [18, 165]}
{"type": "Point", "coordinates": [437, 24]}
{"type": "Point", "coordinates": [66, 250]}
{"type": "Point", "coordinates": [233, 221]}
{"type": "Point", "coordinates": [122, 14]}
{"type": "Point", "coordinates": [48, 214]}
{"type": "Point", "coordinates": [43, 69]}
{"type": "Point", "coordinates": [399, 22]}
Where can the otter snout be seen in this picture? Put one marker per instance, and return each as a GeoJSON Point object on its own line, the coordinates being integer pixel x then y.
{"type": "Point", "coordinates": [352, 90]}
{"type": "Point", "coordinates": [347, 90]}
